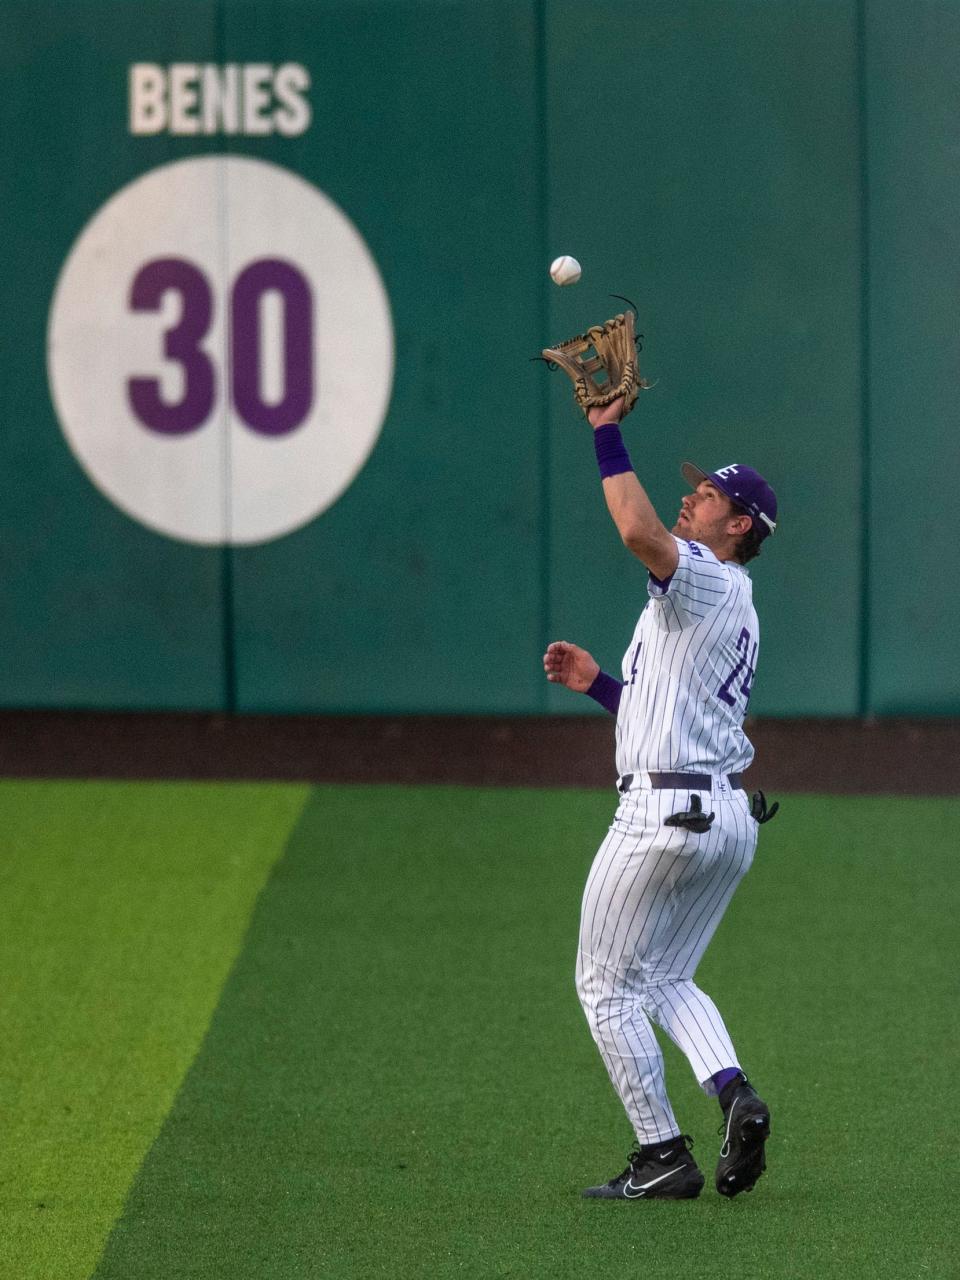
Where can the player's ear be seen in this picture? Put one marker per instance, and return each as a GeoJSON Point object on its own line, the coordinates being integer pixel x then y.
{"type": "Point", "coordinates": [740, 524]}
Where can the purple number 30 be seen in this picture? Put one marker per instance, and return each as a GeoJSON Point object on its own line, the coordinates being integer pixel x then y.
{"type": "Point", "coordinates": [182, 344]}
{"type": "Point", "coordinates": [743, 648]}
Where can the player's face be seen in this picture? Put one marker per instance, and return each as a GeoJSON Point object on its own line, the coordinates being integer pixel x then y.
{"type": "Point", "coordinates": [704, 516]}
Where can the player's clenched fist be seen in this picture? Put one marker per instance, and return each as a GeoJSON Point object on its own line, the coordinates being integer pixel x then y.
{"type": "Point", "coordinates": [570, 665]}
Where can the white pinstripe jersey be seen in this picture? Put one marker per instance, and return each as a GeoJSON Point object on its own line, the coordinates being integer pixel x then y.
{"type": "Point", "coordinates": [688, 671]}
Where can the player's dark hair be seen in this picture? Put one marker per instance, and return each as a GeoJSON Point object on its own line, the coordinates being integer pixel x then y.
{"type": "Point", "coordinates": [748, 548]}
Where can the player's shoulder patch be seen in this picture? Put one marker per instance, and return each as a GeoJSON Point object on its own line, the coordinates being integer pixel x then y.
{"type": "Point", "coordinates": [699, 552]}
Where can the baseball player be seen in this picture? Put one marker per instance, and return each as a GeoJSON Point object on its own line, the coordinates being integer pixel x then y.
{"type": "Point", "coordinates": [684, 832]}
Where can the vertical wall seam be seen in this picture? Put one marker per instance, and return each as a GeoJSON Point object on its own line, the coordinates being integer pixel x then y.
{"type": "Point", "coordinates": [543, 320]}
{"type": "Point", "coordinates": [227, 553]}
{"type": "Point", "coordinates": [866, 630]}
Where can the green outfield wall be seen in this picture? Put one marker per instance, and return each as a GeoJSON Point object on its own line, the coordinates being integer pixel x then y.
{"type": "Point", "coordinates": [273, 275]}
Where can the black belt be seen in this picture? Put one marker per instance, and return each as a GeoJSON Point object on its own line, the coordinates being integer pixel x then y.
{"type": "Point", "coordinates": [681, 781]}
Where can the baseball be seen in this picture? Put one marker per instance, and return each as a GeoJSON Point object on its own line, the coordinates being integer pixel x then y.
{"type": "Point", "coordinates": [565, 270]}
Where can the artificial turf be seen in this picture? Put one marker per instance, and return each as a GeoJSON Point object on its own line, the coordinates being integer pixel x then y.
{"type": "Point", "coordinates": [397, 1080]}
{"type": "Point", "coordinates": [122, 908]}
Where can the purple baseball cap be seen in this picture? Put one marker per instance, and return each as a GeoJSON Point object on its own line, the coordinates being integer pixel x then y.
{"type": "Point", "coordinates": [742, 485]}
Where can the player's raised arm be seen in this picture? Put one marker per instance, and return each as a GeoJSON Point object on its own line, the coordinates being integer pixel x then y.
{"type": "Point", "coordinates": [638, 524]}
{"type": "Point", "coordinates": [602, 364]}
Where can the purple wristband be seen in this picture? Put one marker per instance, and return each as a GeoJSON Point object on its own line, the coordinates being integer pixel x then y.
{"type": "Point", "coordinates": [612, 455]}
{"type": "Point", "coordinates": [606, 691]}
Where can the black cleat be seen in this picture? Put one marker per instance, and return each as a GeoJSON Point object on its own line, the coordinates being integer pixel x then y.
{"type": "Point", "coordinates": [662, 1171]}
{"type": "Point", "coordinates": [745, 1129]}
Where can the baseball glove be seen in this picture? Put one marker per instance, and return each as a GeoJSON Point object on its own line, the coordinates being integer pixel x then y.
{"type": "Point", "coordinates": [602, 364]}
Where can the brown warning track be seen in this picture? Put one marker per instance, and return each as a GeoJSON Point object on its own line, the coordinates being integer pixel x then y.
{"type": "Point", "coordinates": [903, 757]}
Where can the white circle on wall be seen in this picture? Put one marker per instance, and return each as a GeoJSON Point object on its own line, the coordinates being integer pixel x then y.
{"type": "Point", "coordinates": [220, 350]}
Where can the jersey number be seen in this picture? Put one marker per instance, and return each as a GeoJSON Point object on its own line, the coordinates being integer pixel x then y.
{"type": "Point", "coordinates": [636, 659]}
{"type": "Point", "coordinates": [724, 693]}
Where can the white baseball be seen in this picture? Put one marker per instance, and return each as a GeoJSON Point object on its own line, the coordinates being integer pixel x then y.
{"type": "Point", "coordinates": [565, 270]}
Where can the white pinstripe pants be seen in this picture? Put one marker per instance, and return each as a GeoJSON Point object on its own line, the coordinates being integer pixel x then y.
{"type": "Point", "coordinates": [652, 902]}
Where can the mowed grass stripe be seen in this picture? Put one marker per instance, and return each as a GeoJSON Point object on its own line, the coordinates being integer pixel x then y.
{"type": "Point", "coordinates": [122, 907]}
{"type": "Point", "coordinates": [398, 1081]}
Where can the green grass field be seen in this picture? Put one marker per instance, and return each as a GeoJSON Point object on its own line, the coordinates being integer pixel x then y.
{"type": "Point", "coordinates": [265, 1031]}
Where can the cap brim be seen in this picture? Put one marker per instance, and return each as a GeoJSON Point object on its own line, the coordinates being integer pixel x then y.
{"type": "Point", "coordinates": [693, 475]}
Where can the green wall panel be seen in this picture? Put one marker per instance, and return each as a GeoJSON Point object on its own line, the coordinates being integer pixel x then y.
{"type": "Point", "coordinates": [733, 222]}
{"type": "Point", "coordinates": [419, 590]}
{"type": "Point", "coordinates": [465, 146]}
{"type": "Point", "coordinates": [97, 609]}
{"type": "Point", "coordinates": [913, 104]}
